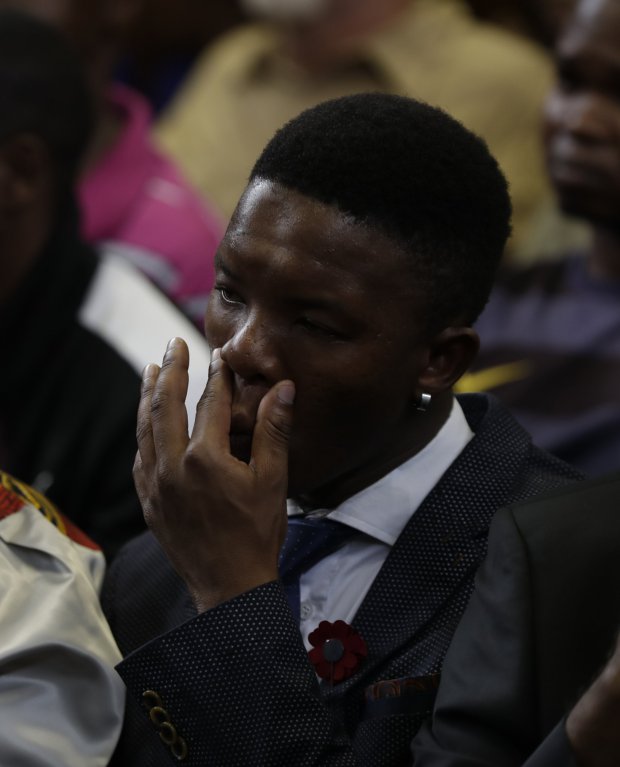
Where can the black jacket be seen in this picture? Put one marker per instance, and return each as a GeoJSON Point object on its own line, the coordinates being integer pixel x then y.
{"type": "Point", "coordinates": [235, 681]}
{"type": "Point", "coordinates": [539, 627]}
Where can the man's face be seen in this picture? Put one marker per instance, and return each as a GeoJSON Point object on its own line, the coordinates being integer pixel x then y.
{"type": "Point", "coordinates": [582, 120]}
{"type": "Point", "coordinates": [303, 292]}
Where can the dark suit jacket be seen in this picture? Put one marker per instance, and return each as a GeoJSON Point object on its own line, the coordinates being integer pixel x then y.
{"type": "Point", "coordinates": [235, 681]}
{"type": "Point", "coordinates": [539, 626]}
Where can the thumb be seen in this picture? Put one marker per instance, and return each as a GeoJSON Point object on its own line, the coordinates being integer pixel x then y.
{"type": "Point", "coordinates": [272, 431]}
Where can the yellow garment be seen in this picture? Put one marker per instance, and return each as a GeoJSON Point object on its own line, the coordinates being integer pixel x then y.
{"type": "Point", "coordinates": [242, 90]}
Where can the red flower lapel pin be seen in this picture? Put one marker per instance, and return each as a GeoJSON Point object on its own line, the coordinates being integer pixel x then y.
{"type": "Point", "coordinates": [337, 650]}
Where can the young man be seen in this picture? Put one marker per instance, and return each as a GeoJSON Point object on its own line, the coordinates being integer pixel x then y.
{"type": "Point", "coordinates": [359, 255]}
{"type": "Point", "coordinates": [77, 328]}
{"type": "Point", "coordinates": [551, 334]}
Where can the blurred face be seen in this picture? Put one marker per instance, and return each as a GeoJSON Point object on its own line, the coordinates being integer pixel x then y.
{"type": "Point", "coordinates": [582, 119]}
{"type": "Point", "coordinates": [305, 293]}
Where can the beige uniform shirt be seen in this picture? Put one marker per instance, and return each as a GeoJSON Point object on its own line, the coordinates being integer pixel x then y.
{"type": "Point", "coordinates": [241, 91]}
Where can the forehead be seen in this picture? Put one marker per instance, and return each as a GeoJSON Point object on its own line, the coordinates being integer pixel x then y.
{"type": "Point", "coordinates": [279, 230]}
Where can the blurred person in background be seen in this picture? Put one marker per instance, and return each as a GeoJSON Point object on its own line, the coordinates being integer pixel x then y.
{"type": "Point", "coordinates": [164, 38]}
{"type": "Point", "coordinates": [133, 199]}
{"type": "Point", "coordinates": [550, 335]}
{"type": "Point", "coordinates": [77, 327]}
{"type": "Point", "coordinates": [541, 20]}
{"type": "Point", "coordinates": [301, 52]}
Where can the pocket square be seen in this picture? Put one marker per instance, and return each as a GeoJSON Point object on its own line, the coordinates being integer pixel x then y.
{"type": "Point", "coordinates": [405, 695]}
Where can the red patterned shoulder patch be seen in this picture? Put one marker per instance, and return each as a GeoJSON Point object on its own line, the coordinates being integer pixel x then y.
{"type": "Point", "coordinates": [10, 502]}
{"type": "Point", "coordinates": [14, 495]}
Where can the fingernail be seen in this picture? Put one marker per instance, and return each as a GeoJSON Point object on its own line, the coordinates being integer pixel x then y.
{"type": "Point", "coordinates": [286, 392]}
{"type": "Point", "coordinates": [148, 371]}
{"type": "Point", "coordinates": [216, 354]}
{"type": "Point", "coordinates": [171, 345]}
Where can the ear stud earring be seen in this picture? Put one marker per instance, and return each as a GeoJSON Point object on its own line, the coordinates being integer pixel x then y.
{"type": "Point", "coordinates": [423, 402]}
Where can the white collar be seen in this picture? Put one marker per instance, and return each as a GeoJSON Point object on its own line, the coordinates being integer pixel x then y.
{"type": "Point", "coordinates": [383, 509]}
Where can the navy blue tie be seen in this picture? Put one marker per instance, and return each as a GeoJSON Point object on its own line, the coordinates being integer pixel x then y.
{"type": "Point", "coordinates": [307, 542]}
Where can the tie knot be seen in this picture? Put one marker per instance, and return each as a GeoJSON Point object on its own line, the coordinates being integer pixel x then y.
{"type": "Point", "coordinates": [308, 541]}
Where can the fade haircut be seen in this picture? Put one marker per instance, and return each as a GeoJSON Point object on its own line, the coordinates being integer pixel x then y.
{"type": "Point", "coordinates": [416, 174]}
{"type": "Point", "coordinates": [42, 92]}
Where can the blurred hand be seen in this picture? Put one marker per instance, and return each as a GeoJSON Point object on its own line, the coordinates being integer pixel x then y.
{"type": "Point", "coordinates": [593, 726]}
{"type": "Point", "coordinates": [220, 521]}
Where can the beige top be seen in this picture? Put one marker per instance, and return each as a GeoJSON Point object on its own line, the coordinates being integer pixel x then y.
{"type": "Point", "coordinates": [242, 90]}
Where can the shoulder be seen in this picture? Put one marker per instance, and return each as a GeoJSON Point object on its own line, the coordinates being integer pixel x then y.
{"type": "Point", "coordinates": [30, 520]}
{"type": "Point", "coordinates": [504, 450]}
{"type": "Point", "coordinates": [477, 43]}
{"type": "Point", "coordinates": [591, 506]}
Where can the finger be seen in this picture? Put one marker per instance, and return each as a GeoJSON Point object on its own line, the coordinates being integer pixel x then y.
{"type": "Point", "coordinates": [141, 481]}
{"type": "Point", "coordinates": [213, 412]}
{"type": "Point", "coordinates": [144, 432]}
{"type": "Point", "coordinates": [168, 412]}
{"type": "Point", "coordinates": [272, 433]}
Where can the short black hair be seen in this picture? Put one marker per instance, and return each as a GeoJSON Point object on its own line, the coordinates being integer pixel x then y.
{"type": "Point", "coordinates": [413, 172]}
{"type": "Point", "coordinates": [42, 91]}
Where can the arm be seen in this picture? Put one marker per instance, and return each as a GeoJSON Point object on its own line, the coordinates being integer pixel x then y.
{"type": "Point", "coordinates": [235, 681]}
{"type": "Point", "coordinates": [61, 700]}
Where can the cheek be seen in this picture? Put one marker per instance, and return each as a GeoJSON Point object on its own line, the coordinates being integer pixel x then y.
{"type": "Point", "coordinates": [553, 115]}
{"type": "Point", "coordinates": [346, 410]}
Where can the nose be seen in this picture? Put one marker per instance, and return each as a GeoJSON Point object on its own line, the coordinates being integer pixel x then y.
{"type": "Point", "coordinates": [252, 352]}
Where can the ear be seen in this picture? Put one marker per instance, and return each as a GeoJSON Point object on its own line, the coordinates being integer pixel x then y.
{"type": "Point", "coordinates": [25, 170]}
{"type": "Point", "coordinates": [450, 354]}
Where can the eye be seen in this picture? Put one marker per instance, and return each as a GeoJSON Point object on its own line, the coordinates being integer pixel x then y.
{"type": "Point", "coordinates": [228, 296]}
{"type": "Point", "coordinates": [319, 328]}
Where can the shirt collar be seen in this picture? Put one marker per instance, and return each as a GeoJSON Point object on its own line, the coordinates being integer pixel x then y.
{"type": "Point", "coordinates": [400, 493]}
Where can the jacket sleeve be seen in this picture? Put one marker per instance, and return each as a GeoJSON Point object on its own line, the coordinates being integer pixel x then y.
{"type": "Point", "coordinates": [486, 711]}
{"type": "Point", "coordinates": [236, 688]}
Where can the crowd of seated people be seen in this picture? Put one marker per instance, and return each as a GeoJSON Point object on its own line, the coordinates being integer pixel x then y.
{"type": "Point", "coordinates": [371, 539]}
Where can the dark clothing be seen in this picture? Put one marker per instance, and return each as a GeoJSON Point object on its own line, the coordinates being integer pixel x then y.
{"type": "Point", "coordinates": [550, 351]}
{"type": "Point", "coordinates": [68, 399]}
{"type": "Point", "coordinates": [236, 682]}
{"type": "Point", "coordinates": [70, 388]}
{"type": "Point", "coordinates": [539, 627]}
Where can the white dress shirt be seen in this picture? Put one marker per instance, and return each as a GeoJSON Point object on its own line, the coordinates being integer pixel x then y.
{"type": "Point", "coordinates": [334, 588]}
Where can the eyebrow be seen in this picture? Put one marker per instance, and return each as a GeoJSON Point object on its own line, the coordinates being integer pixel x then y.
{"type": "Point", "coordinates": [219, 264]}
{"type": "Point", "coordinates": [329, 304]}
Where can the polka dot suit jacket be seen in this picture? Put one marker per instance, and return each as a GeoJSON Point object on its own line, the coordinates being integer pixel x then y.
{"type": "Point", "coordinates": [235, 683]}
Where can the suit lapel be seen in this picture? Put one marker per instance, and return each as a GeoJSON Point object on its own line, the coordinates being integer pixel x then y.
{"type": "Point", "coordinates": [430, 569]}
